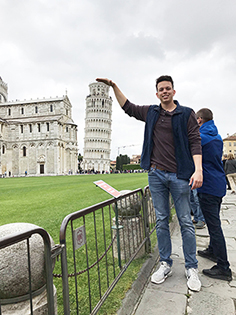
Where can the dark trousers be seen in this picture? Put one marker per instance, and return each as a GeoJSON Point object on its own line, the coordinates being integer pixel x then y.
{"type": "Point", "coordinates": [210, 206]}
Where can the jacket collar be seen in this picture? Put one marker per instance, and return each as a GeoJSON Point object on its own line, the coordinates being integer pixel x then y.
{"type": "Point", "coordinates": [177, 110]}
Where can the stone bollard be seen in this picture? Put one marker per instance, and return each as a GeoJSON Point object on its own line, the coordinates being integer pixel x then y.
{"type": "Point", "coordinates": [14, 279]}
{"type": "Point", "coordinates": [132, 232]}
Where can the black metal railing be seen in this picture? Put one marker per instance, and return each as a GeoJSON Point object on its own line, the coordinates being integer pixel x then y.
{"type": "Point", "coordinates": [97, 245]}
{"type": "Point", "coordinates": [112, 234]}
{"type": "Point", "coordinates": [25, 236]}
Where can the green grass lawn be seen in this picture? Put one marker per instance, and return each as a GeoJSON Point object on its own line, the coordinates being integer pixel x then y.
{"type": "Point", "coordinates": [45, 201]}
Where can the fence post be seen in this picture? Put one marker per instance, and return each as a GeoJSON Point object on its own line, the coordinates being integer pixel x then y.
{"type": "Point", "coordinates": [118, 235]}
{"type": "Point", "coordinates": [146, 223]}
{"type": "Point", "coordinates": [49, 270]}
{"type": "Point", "coordinates": [65, 284]}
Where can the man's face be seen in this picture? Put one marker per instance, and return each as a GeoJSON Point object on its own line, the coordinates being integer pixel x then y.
{"type": "Point", "coordinates": [165, 92]}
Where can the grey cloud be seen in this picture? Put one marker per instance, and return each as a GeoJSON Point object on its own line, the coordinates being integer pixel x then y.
{"type": "Point", "coordinates": [196, 26]}
{"type": "Point", "coordinates": [141, 46]}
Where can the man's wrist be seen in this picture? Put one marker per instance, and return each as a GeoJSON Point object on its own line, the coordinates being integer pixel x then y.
{"type": "Point", "coordinates": [112, 84]}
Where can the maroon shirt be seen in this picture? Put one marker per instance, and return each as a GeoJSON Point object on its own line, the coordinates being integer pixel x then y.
{"type": "Point", "coordinates": [163, 154]}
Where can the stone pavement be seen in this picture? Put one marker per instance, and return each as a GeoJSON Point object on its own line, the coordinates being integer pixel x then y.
{"type": "Point", "coordinates": [173, 296]}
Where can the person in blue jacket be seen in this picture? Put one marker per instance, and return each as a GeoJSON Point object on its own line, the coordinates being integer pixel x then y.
{"type": "Point", "coordinates": [210, 195]}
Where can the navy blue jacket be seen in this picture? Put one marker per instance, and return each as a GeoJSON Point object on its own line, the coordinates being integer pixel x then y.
{"type": "Point", "coordinates": [214, 182]}
{"type": "Point", "coordinates": [185, 164]}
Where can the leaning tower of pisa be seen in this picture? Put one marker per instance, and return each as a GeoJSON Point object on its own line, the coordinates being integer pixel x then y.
{"type": "Point", "coordinates": [97, 139]}
{"type": "Point", "coordinates": [3, 91]}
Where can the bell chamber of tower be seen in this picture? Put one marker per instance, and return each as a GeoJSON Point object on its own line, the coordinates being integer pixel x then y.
{"type": "Point", "coordinates": [98, 119]}
{"type": "Point", "coordinates": [3, 91]}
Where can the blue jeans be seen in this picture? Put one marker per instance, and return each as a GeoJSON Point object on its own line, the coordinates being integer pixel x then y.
{"type": "Point", "coordinates": [161, 183]}
{"type": "Point", "coordinates": [195, 206]}
{"type": "Point", "coordinates": [210, 206]}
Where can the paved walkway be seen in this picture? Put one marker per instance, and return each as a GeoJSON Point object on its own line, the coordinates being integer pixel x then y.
{"type": "Point", "coordinates": [217, 297]}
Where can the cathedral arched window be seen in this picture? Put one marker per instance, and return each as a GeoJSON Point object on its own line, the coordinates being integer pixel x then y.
{"type": "Point", "coordinates": [3, 149]}
{"type": "Point", "coordinates": [22, 110]}
{"type": "Point", "coordinates": [30, 128]}
{"type": "Point", "coordinates": [47, 126]}
{"type": "Point", "coordinates": [9, 111]}
{"type": "Point", "coordinates": [38, 127]}
{"type": "Point", "coordinates": [36, 109]}
{"type": "Point", "coordinates": [24, 151]}
{"type": "Point", "coordinates": [51, 108]}
{"type": "Point", "coordinates": [21, 128]}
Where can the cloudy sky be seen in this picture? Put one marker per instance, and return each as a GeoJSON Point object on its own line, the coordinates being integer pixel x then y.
{"type": "Point", "coordinates": [50, 46]}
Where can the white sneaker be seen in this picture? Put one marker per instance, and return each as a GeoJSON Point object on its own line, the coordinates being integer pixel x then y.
{"type": "Point", "coordinates": [162, 273]}
{"type": "Point", "coordinates": [193, 281]}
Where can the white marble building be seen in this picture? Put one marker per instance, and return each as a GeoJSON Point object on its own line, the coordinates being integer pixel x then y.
{"type": "Point", "coordinates": [97, 139]}
{"type": "Point", "coordinates": [37, 136]}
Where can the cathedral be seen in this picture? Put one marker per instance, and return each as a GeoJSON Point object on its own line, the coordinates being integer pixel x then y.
{"type": "Point", "coordinates": [37, 137]}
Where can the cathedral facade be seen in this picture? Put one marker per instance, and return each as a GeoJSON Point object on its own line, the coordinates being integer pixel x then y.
{"type": "Point", "coordinates": [97, 139]}
{"type": "Point", "coordinates": [37, 137]}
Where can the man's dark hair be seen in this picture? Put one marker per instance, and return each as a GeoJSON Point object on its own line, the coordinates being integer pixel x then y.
{"type": "Point", "coordinates": [164, 78]}
{"type": "Point", "coordinates": [205, 113]}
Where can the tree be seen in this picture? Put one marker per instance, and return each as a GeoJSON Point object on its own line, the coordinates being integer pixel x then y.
{"type": "Point", "coordinates": [121, 160]}
{"type": "Point", "coordinates": [80, 160]}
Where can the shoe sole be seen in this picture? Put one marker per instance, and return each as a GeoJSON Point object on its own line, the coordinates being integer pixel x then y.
{"type": "Point", "coordinates": [162, 280]}
{"type": "Point", "coordinates": [195, 289]}
{"type": "Point", "coordinates": [220, 277]}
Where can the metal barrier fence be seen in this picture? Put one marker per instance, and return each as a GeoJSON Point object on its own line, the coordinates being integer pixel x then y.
{"type": "Point", "coordinates": [109, 244]}
{"type": "Point", "coordinates": [101, 243]}
{"type": "Point", "coordinates": [103, 240]}
{"type": "Point", "coordinates": [25, 236]}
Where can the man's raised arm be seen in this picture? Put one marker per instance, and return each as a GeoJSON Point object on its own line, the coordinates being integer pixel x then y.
{"type": "Point", "coordinates": [121, 99]}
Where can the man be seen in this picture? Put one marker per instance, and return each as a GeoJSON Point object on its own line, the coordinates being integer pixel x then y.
{"type": "Point", "coordinates": [172, 154]}
{"type": "Point", "coordinates": [225, 158]}
{"type": "Point", "coordinates": [230, 170]}
{"type": "Point", "coordinates": [210, 195]}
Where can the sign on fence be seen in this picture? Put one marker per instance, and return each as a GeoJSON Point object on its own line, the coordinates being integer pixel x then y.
{"type": "Point", "coordinates": [110, 190]}
{"type": "Point", "coordinates": [79, 237]}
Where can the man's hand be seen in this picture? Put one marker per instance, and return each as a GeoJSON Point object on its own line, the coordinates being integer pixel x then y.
{"type": "Point", "coordinates": [119, 95]}
{"type": "Point", "coordinates": [106, 81]}
{"type": "Point", "coordinates": [196, 180]}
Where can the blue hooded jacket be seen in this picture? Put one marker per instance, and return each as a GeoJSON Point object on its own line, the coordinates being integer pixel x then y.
{"type": "Point", "coordinates": [214, 182]}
